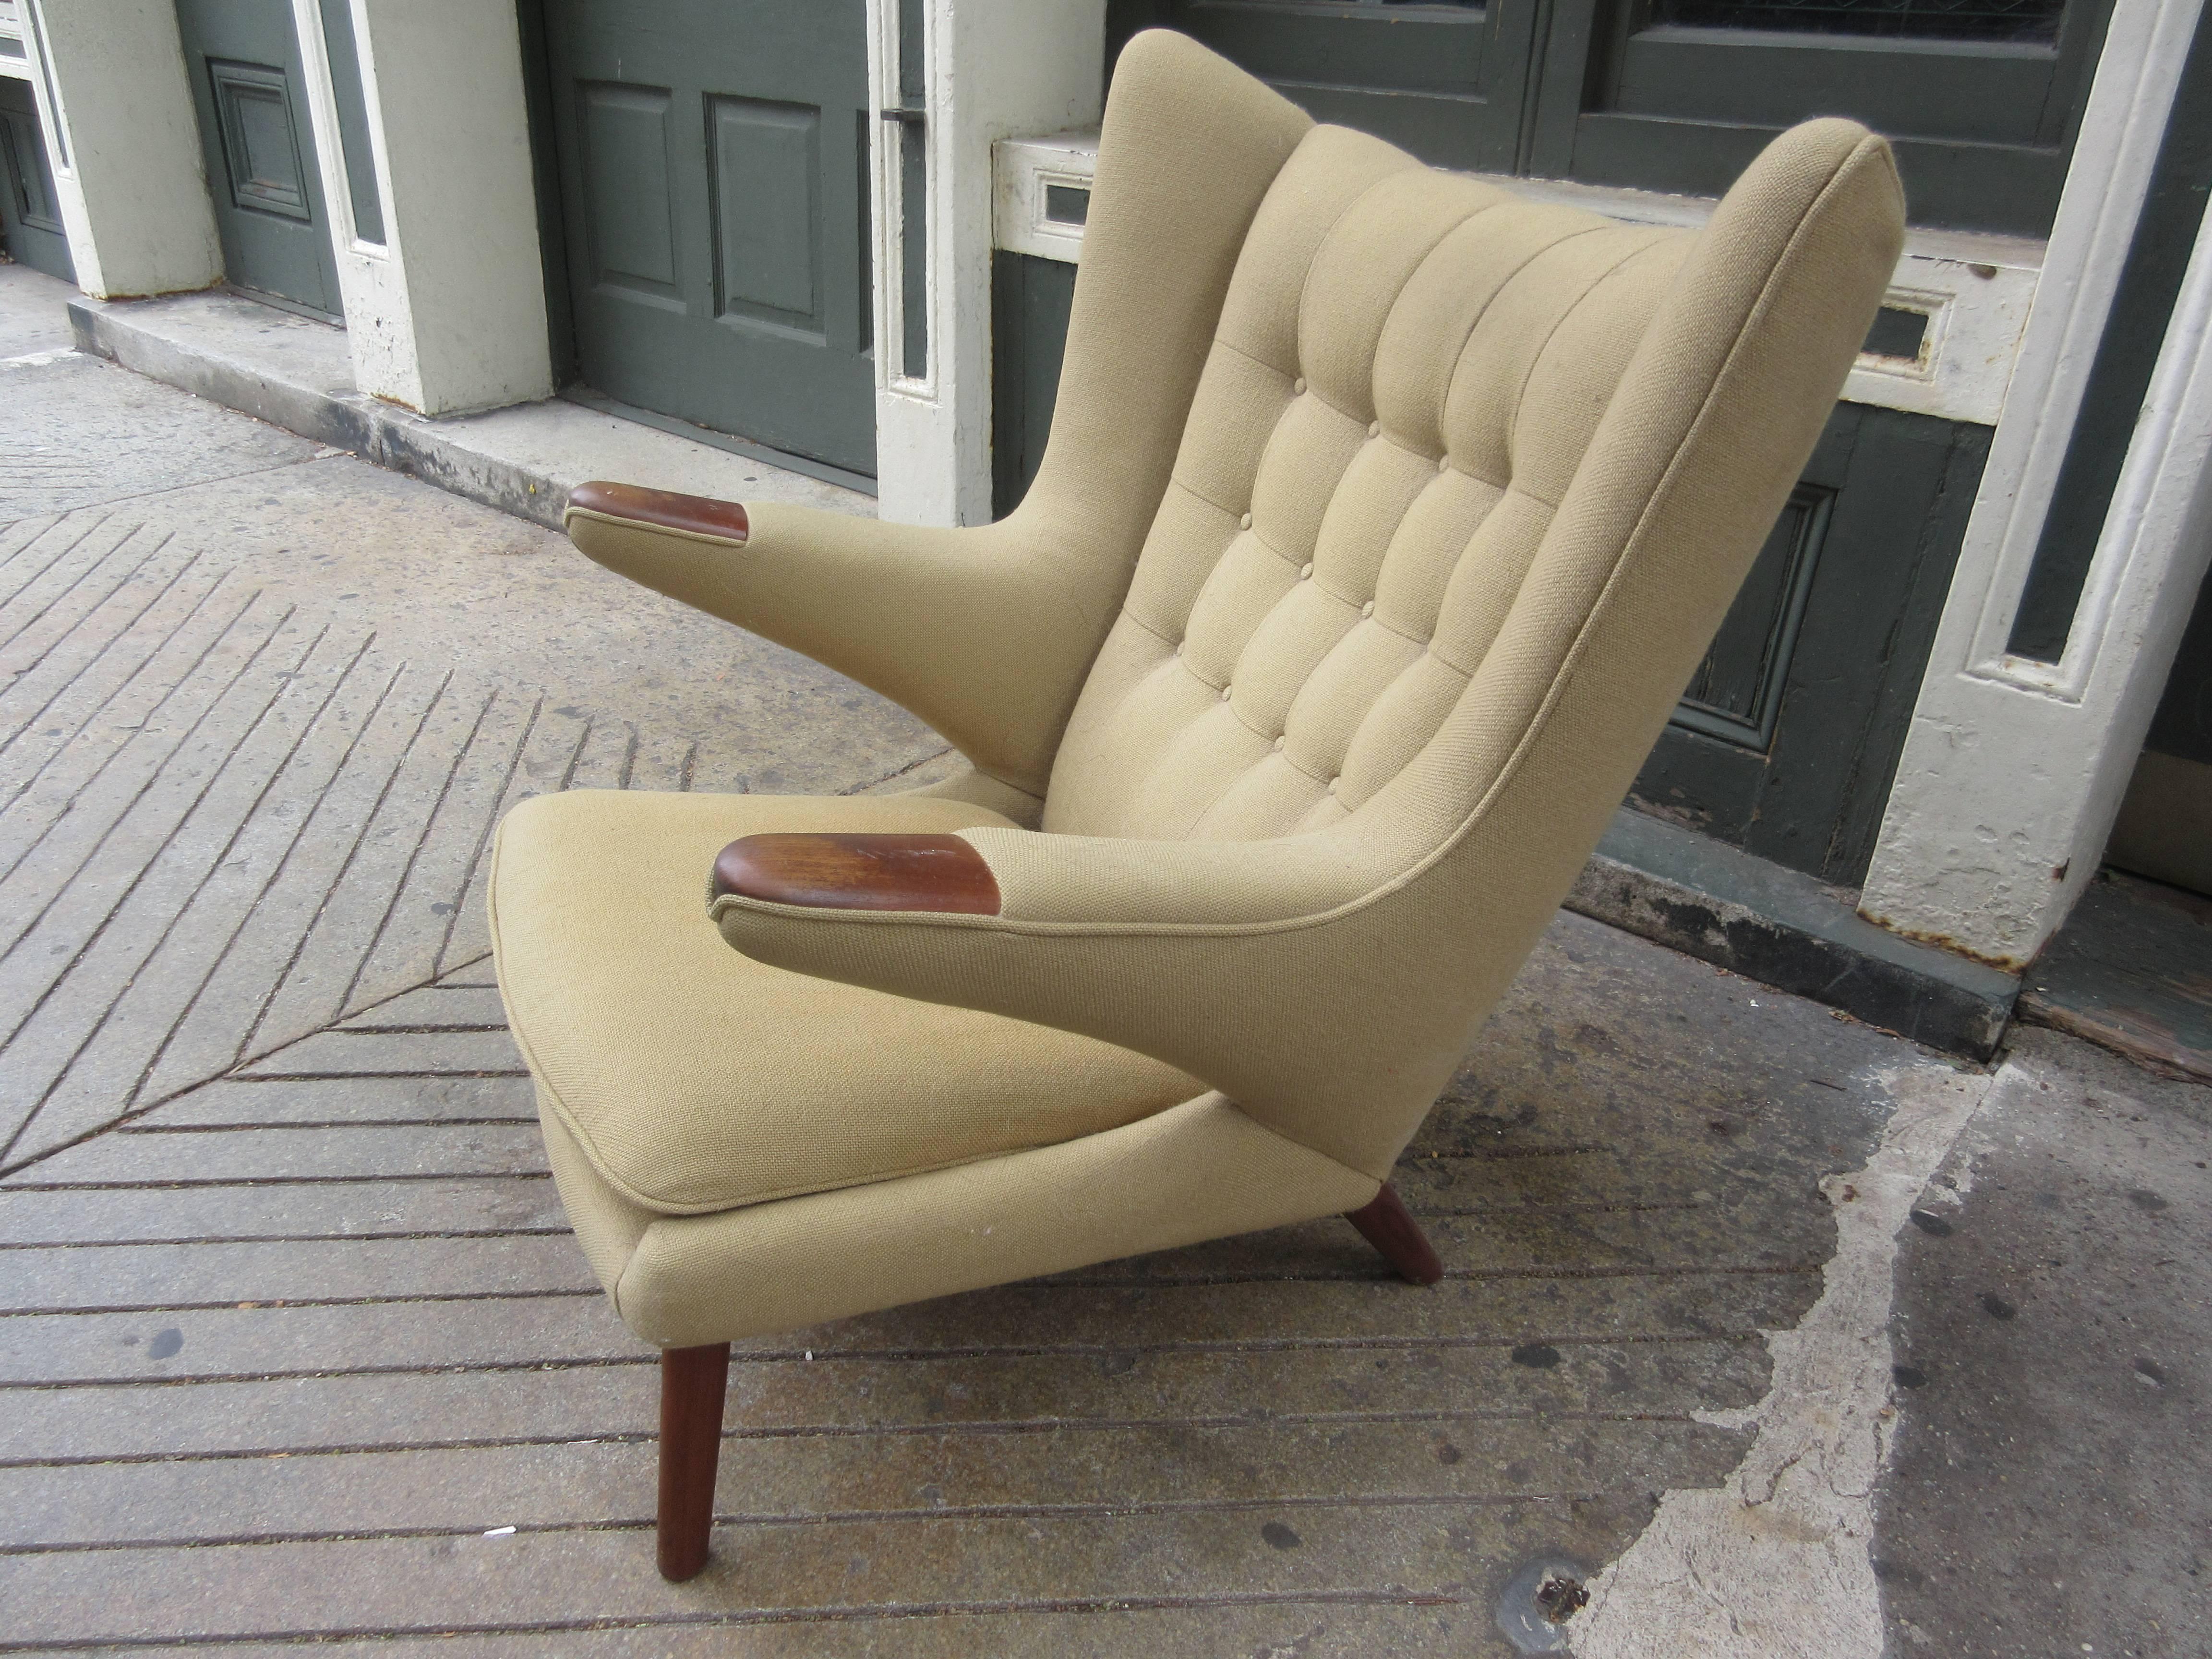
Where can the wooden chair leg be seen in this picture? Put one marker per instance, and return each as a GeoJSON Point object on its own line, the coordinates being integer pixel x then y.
{"type": "Point", "coordinates": [693, 1382]}
{"type": "Point", "coordinates": [1386, 1224]}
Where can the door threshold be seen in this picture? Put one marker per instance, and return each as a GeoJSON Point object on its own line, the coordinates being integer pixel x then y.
{"type": "Point", "coordinates": [701, 435]}
{"type": "Point", "coordinates": [279, 302]}
{"type": "Point", "coordinates": [1751, 916]}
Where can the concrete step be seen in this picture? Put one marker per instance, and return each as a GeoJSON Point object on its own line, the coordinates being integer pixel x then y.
{"type": "Point", "coordinates": [295, 373]}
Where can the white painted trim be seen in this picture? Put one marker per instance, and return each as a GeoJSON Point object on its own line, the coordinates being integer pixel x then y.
{"type": "Point", "coordinates": [46, 92]}
{"type": "Point", "coordinates": [372, 288]}
{"type": "Point", "coordinates": [1975, 291]}
{"type": "Point", "coordinates": [330, 145]}
{"type": "Point", "coordinates": [995, 66]}
{"type": "Point", "coordinates": [447, 314]}
{"type": "Point", "coordinates": [2145, 47]}
{"type": "Point", "coordinates": [2012, 771]}
{"type": "Point", "coordinates": [1021, 169]}
{"type": "Point", "coordinates": [123, 141]}
{"type": "Point", "coordinates": [13, 27]}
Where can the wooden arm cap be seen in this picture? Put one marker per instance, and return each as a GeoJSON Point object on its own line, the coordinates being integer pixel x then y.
{"type": "Point", "coordinates": [699, 515]}
{"type": "Point", "coordinates": [858, 872]}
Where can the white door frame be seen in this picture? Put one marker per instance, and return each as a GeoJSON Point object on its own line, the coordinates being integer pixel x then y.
{"type": "Point", "coordinates": [993, 68]}
{"type": "Point", "coordinates": [2013, 770]}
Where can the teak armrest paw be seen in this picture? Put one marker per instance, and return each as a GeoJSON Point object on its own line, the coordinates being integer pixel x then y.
{"type": "Point", "coordinates": [858, 872]}
{"type": "Point", "coordinates": [696, 515]}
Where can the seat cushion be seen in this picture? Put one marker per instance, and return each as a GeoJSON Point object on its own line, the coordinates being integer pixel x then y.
{"type": "Point", "coordinates": [695, 1079]}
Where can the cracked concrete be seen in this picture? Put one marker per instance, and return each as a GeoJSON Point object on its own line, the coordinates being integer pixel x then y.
{"type": "Point", "coordinates": [1777, 1561]}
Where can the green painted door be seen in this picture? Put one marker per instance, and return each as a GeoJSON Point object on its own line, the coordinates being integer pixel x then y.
{"type": "Point", "coordinates": [713, 159]}
{"type": "Point", "coordinates": [30, 218]}
{"type": "Point", "coordinates": [1981, 98]}
{"type": "Point", "coordinates": [243, 59]}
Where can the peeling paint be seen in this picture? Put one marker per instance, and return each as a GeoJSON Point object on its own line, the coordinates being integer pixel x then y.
{"type": "Point", "coordinates": [1775, 1561]}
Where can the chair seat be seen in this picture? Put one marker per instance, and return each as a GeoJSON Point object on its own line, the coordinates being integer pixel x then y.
{"type": "Point", "coordinates": [694, 1079]}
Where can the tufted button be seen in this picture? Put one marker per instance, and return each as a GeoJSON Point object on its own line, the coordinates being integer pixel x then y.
{"type": "Point", "coordinates": [1278, 745]}
{"type": "Point", "coordinates": [1244, 523]}
{"type": "Point", "coordinates": [1375, 428]}
{"type": "Point", "coordinates": [1305, 572]}
{"type": "Point", "coordinates": [1224, 694]}
{"type": "Point", "coordinates": [1368, 609]}
{"type": "Point", "coordinates": [1444, 463]}
{"type": "Point", "coordinates": [1298, 385]}
{"type": "Point", "coordinates": [1331, 785]}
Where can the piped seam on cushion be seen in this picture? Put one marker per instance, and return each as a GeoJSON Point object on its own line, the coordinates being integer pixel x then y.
{"type": "Point", "coordinates": [1265, 1128]}
{"type": "Point", "coordinates": [644, 528]}
{"type": "Point", "coordinates": [1305, 277]}
{"type": "Point", "coordinates": [1651, 240]}
{"type": "Point", "coordinates": [1459, 352]}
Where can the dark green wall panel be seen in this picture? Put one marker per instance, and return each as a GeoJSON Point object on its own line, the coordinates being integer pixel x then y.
{"type": "Point", "coordinates": [1898, 489]}
{"type": "Point", "coordinates": [1030, 301]}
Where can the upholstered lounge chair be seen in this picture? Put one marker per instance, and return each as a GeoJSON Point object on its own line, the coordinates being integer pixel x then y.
{"type": "Point", "coordinates": [1385, 517]}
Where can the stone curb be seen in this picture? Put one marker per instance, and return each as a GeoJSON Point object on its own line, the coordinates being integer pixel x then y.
{"type": "Point", "coordinates": [391, 437]}
{"type": "Point", "coordinates": [522, 459]}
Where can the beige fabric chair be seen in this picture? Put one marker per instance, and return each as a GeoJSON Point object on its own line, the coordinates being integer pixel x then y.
{"type": "Point", "coordinates": [1385, 516]}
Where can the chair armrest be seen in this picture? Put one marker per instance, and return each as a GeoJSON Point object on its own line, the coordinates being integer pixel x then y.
{"type": "Point", "coordinates": [1220, 958]}
{"type": "Point", "coordinates": [858, 872]}
{"type": "Point", "coordinates": [663, 509]}
{"type": "Point", "coordinates": [984, 633]}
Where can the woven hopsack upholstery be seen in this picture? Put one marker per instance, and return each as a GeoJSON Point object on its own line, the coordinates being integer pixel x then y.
{"type": "Point", "coordinates": [1385, 516]}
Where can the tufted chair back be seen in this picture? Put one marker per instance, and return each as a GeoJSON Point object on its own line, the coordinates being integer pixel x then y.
{"type": "Point", "coordinates": [1407, 374]}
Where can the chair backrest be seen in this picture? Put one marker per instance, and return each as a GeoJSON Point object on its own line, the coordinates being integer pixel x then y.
{"type": "Point", "coordinates": [1401, 394]}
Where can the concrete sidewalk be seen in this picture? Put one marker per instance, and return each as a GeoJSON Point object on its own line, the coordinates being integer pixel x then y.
{"type": "Point", "coordinates": [1773, 1331]}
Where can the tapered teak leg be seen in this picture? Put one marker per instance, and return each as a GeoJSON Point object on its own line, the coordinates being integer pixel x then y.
{"type": "Point", "coordinates": [692, 1383]}
{"type": "Point", "coordinates": [1386, 1225]}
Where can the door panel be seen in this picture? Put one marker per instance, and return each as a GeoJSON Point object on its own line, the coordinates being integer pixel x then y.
{"type": "Point", "coordinates": [1736, 693]}
{"type": "Point", "coordinates": [260, 143]}
{"type": "Point", "coordinates": [713, 169]}
{"type": "Point", "coordinates": [1981, 97]}
{"type": "Point", "coordinates": [768, 230]}
{"type": "Point", "coordinates": [1788, 735]}
{"type": "Point", "coordinates": [1446, 79]}
{"type": "Point", "coordinates": [30, 217]}
{"type": "Point", "coordinates": [629, 215]}
{"type": "Point", "coordinates": [243, 59]}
